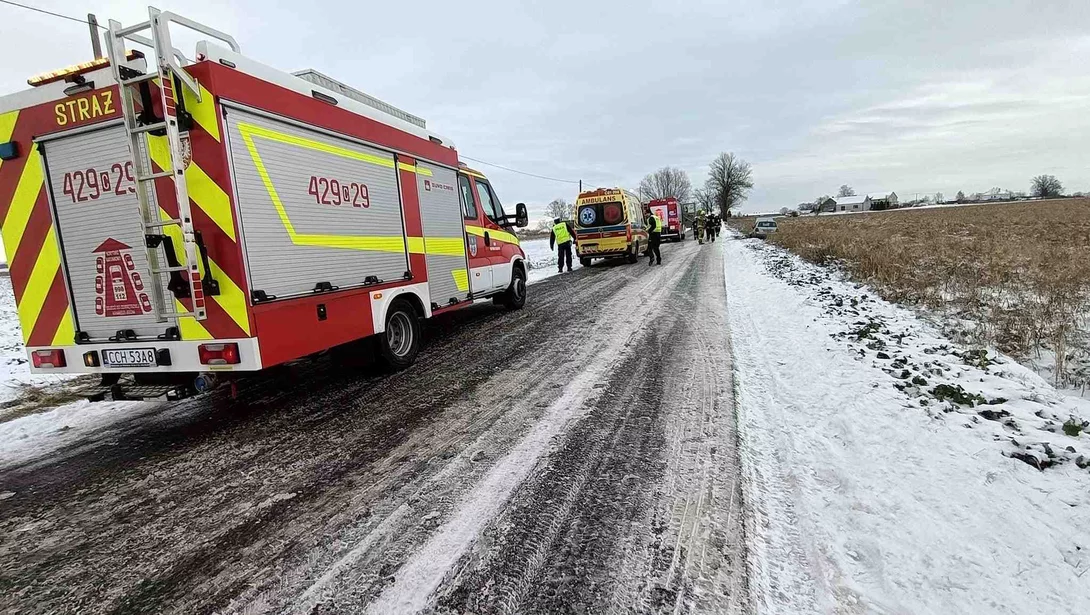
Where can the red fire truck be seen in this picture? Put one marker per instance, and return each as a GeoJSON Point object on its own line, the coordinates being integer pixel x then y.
{"type": "Point", "coordinates": [171, 222]}
{"type": "Point", "coordinates": [669, 213]}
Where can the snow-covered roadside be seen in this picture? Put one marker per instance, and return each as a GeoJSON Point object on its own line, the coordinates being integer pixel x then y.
{"type": "Point", "coordinates": [31, 437]}
{"type": "Point", "coordinates": [541, 259]}
{"type": "Point", "coordinates": [14, 372]}
{"type": "Point", "coordinates": [870, 488]}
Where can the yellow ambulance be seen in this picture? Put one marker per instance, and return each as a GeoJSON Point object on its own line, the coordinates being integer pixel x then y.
{"type": "Point", "coordinates": [609, 224]}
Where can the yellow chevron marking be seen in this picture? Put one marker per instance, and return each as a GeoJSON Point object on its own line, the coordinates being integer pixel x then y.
{"type": "Point", "coordinates": [501, 236]}
{"type": "Point", "coordinates": [190, 328]}
{"type": "Point", "coordinates": [203, 112]}
{"type": "Point", "coordinates": [22, 203]}
{"type": "Point", "coordinates": [461, 279]}
{"type": "Point", "coordinates": [66, 332]}
{"type": "Point", "coordinates": [7, 127]}
{"type": "Point", "coordinates": [204, 192]}
{"type": "Point", "coordinates": [231, 298]}
{"type": "Point", "coordinates": [37, 287]}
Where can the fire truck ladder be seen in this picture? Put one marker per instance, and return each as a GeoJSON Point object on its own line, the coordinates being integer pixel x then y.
{"type": "Point", "coordinates": [184, 274]}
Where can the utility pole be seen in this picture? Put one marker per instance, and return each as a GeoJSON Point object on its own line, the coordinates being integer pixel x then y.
{"type": "Point", "coordinates": [580, 186]}
{"type": "Point", "coordinates": [96, 44]}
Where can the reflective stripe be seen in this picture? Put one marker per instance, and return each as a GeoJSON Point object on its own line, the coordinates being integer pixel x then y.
{"type": "Point", "coordinates": [250, 130]}
{"type": "Point", "coordinates": [41, 280]}
{"type": "Point", "coordinates": [66, 331]}
{"type": "Point", "coordinates": [230, 298]}
{"type": "Point", "coordinates": [348, 242]}
{"type": "Point", "coordinates": [461, 279]}
{"type": "Point", "coordinates": [7, 127]}
{"type": "Point", "coordinates": [204, 112]}
{"type": "Point", "coordinates": [189, 327]}
{"type": "Point", "coordinates": [498, 235]}
{"type": "Point", "coordinates": [204, 192]}
{"type": "Point", "coordinates": [22, 203]}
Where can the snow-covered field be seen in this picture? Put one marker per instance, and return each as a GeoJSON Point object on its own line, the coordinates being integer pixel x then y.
{"type": "Point", "coordinates": [888, 470]}
{"type": "Point", "coordinates": [541, 259]}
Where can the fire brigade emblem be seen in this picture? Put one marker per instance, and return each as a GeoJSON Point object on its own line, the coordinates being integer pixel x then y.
{"type": "Point", "coordinates": [118, 287]}
{"type": "Point", "coordinates": [427, 185]}
{"type": "Point", "coordinates": [472, 241]}
{"type": "Point", "coordinates": [187, 151]}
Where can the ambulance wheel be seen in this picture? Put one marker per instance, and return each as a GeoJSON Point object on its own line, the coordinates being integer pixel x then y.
{"type": "Point", "coordinates": [515, 296]}
{"type": "Point", "coordinates": [585, 262]}
{"type": "Point", "coordinates": [634, 255]}
{"type": "Point", "coordinates": [400, 342]}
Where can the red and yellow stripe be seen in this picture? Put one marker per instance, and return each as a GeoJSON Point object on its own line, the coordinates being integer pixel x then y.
{"type": "Point", "coordinates": [30, 242]}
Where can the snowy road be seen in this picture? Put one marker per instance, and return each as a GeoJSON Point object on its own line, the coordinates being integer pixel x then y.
{"type": "Point", "coordinates": [736, 431]}
{"type": "Point", "coordinates": [576, 456]}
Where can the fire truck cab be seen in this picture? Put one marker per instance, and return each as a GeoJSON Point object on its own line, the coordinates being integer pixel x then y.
{"type": "Point", "coordinates": [170, 222]}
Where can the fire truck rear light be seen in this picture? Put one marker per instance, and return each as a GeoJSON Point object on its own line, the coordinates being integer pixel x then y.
{"type": "Point", "coordinates": [90, 359]}
{"type": "Point", "coordinates": [48, 358]}
{"type": "Point", "coordinates": [218, 354]}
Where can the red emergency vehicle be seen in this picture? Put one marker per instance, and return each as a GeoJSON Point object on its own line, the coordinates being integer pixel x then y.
{"type": "Point", "coordinates": [169, 219]}
{"type": "Point", "coordinates": [669, 213]}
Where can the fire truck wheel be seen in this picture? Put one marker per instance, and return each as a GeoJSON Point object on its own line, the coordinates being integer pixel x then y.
{"type": "Point", "coordinates": [515, 296]}
{"type": "Point", "coordinates": [400, 342]}
{"type": "Point", "coordinates": [585, 262]}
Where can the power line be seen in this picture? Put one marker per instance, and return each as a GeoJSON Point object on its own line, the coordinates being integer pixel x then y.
{"type": "Point", "coordinates": [499, 166]}
{"type": "Point", "coordinates": [34, 8]}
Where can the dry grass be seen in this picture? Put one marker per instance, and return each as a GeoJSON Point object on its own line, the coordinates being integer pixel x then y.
{"type": "Point", "coordinates": [1015, 275]}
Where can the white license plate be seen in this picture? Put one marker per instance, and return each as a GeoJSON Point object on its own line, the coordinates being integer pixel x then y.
{"type": "Point", "coordinates": [129, 357]}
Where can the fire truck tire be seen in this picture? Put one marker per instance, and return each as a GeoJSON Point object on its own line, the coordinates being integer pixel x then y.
{"type": "Point", "coordinates": [515, 296]}
{"type": "Point", "coordinates": [400, 342]}
{"type": "Point", "coordinates": [585, 262]}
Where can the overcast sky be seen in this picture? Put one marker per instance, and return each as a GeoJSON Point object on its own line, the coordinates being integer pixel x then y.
{"type": "Point", "coordinates": [909, 96]}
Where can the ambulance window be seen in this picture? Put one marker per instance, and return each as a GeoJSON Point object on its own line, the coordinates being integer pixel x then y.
{"type": "Point", "coordinates": [469, 208]}
{"type": "Point", "coordinates": [489, 204]}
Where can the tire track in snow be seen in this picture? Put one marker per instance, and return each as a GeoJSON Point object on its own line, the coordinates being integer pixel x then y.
{"type": "Point", "coordinates": [595, 529]}
{"type": "Point", "coordinates": [423, 573]}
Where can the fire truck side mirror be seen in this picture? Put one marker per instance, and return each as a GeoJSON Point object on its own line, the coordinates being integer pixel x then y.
{"type": "Point", "coordinates": [522, 218]}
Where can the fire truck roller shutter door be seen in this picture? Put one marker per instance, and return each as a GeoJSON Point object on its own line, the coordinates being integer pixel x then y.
{"type": "Point", "coordinates": [92, 185]}
{"type": "Point", "coordinates": [314, 208]}
{"type": "Point", "coordinates": [444, 237]}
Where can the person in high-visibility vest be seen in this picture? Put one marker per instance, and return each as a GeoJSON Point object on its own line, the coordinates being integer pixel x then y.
{"type": "Point", "coordinates": [561, 236]}
{"type": "Point", "coordinates": [654, 237]}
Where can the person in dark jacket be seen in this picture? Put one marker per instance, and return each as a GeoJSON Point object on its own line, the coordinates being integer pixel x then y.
{"type": "Point", "coordinates": [562, 236]}
{"type": "Point", "coordinates": [654, 237]}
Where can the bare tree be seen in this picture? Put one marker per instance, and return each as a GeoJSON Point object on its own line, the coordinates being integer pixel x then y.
{"type": "Point", "coordinates": [1046, 186]}
{"type": "Point", "coordinates": [664, 183]}
{"type": "Point", "coordinates": [939, 198]}
{"type": "Point", "coordinates": [961, 196]}
{"type": "Point", "coordinates": [704, 197]}
{"type": "Point", "coordinates": [729, 180]}
{"type": "Point", "coordinates": [558, 208]}
{"type": "Point", "coordinates": [846, 190]}
{"type": "Point", "coordinates": [784, 211]}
